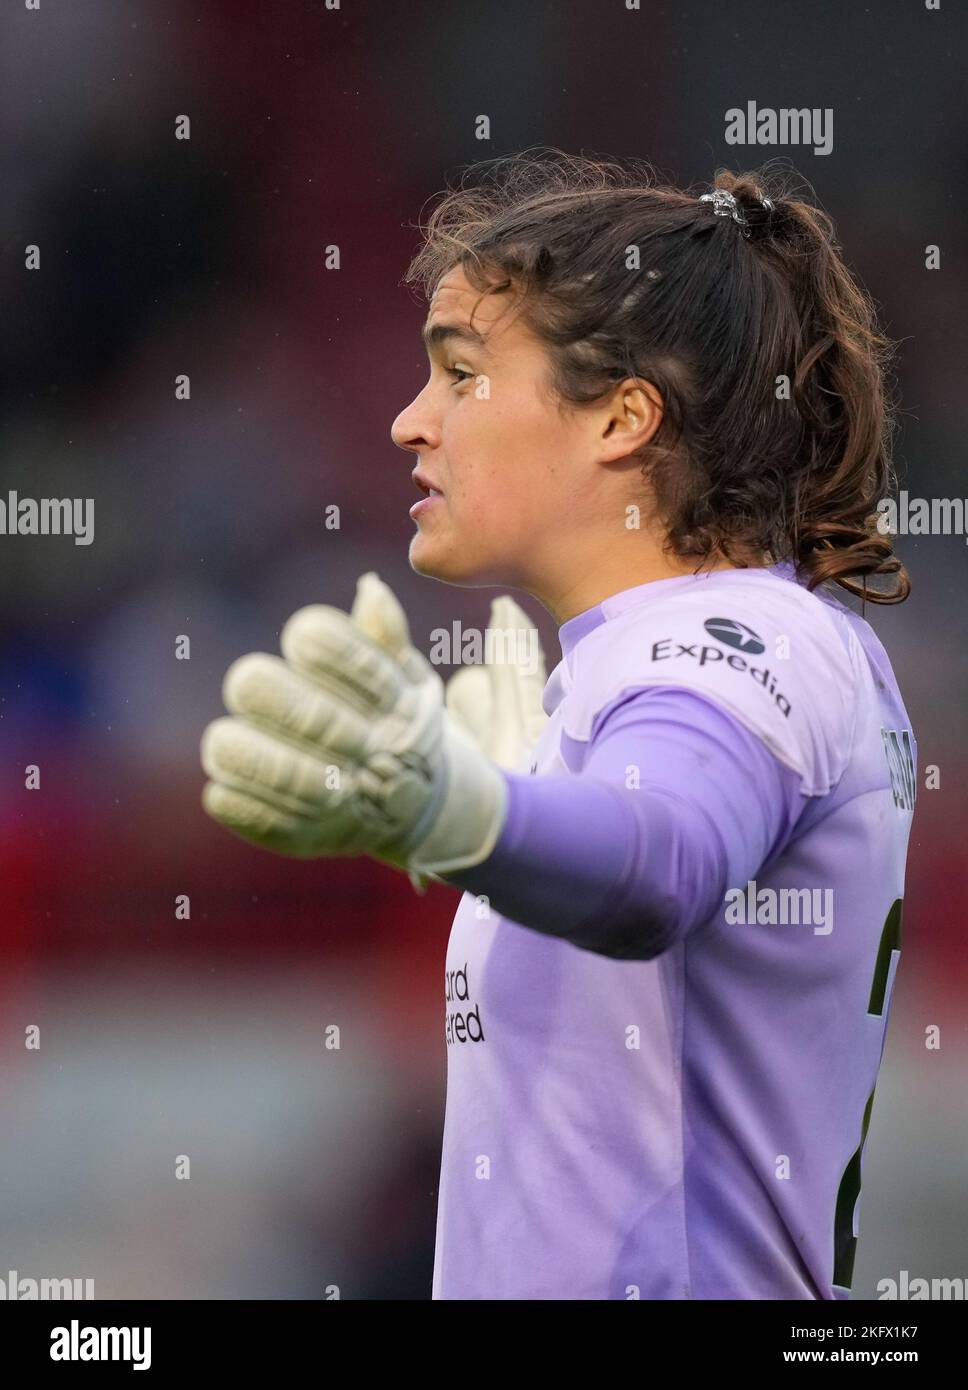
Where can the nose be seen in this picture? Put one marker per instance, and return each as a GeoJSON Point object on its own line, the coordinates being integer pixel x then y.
{"type": "Point", "coordinates": [413, 428]}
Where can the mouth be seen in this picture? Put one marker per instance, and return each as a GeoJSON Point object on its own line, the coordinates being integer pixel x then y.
{"type": "Point", "coordinates": [432, 494]}
{"type": "Point", "coordinates": [425, 484]}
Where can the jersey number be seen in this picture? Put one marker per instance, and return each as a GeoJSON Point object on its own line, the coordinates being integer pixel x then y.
{"type": "Point", "coordinates": [845, 1242]}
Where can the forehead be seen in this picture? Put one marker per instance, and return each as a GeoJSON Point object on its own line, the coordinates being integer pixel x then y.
{"type": "Point", "coordinates": [455, 300]}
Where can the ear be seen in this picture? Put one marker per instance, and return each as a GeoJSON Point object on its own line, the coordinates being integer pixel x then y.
{"type": "Point", "coordinates": [629, 418]}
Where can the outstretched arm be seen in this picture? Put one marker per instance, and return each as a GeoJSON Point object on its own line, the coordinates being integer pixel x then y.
{"type": "Point", "coordinates": [626, 872]}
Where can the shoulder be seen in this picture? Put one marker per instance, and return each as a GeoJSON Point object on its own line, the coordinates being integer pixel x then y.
{"type": "Point", "coordinates": [759, 646]}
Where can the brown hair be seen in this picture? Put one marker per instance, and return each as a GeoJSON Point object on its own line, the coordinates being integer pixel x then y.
{"type": "Point", "coordinates": [621, 276]}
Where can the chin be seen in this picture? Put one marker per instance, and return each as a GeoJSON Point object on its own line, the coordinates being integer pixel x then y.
{"type": "Point", "coordinates": [435, 562]}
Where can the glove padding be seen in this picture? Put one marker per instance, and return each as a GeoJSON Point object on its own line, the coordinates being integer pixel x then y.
{"type": "Point", "coordinates": [343, 748]}
{"type": "Point", "coordinates": [499, 704]}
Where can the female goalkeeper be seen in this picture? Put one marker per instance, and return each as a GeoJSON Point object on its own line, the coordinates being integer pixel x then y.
{"type": "Point", "coordinates": [664, 417]}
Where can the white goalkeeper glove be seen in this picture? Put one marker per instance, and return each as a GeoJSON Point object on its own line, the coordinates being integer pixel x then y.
{"type": "Point", "coordinates": [344, 748]}
{"type": "Point", "coordinates": [499, 703]}
{"type": "Point", "coordinates": [496, 704]}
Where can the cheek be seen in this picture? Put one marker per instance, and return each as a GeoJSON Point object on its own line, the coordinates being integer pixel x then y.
{"type": "Point", "coordinates": [493, 498]}
{"type": "Point", "coordinates": [501, 467]}
{"type": "Point", "coordinates": [500, 495]}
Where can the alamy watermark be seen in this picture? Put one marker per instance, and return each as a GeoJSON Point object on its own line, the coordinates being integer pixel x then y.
{"type": "Point", "coordinates": [790, 125]}
{"type": "Point", "coordinates": [495, 646]}
{"type": "Point", "coordinates": [48, 516]}
{"type": "Point", "coordinates": [774, 907]}
{"type": "Point", "coordinates": [77, 1343]}
{"type": "Point", "coordinates": [21, 1288]}
{"type": "Point", "coordinates": [921, 516]}
{"type": "Point", "coordinates": [916, 1287]}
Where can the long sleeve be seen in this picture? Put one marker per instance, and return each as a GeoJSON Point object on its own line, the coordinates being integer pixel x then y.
{"type": "Point", "coordinates": [675, 803]}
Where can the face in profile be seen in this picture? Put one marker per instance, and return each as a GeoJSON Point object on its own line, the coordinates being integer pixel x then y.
{"type": "Point", "coordinates": [492, 448]}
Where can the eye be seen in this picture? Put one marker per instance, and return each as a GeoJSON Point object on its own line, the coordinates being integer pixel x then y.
{"type": "Point", "coordinates": [459, 373]}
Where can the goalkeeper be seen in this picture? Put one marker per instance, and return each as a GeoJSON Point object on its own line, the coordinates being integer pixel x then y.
{"type": "Point", "coordinates": [683, 854]}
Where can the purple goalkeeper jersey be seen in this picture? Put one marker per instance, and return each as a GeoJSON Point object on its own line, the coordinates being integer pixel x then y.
{"type": "Point", "coordinates": [667, 989]}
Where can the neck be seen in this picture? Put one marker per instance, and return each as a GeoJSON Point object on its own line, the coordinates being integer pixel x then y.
{"type": "Point", "coordinates": [613, 575]}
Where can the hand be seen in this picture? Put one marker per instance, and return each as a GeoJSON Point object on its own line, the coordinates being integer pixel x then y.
{"type": "Point", "coordinates": [497, 705]}
{"type": "Point", "coordinates": [343, 747]}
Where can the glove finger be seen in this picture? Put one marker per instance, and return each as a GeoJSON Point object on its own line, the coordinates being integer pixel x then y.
{"type": "Point", "coordinates": [377, 612]}
{"type": "Point", "coordinates": [529, 671]}
{"type": "Point", "coordinates": [257, 822]}
{"type": "Point", "coordinates": [469, 701]}
{"type": "Point", "coordinates": [511, 618]}
{"type": "Point", "coordinates": [240, 756]}
{"type": "Point", "coordinates": [268, 693]}
{"type": "Point", "coordinates": [508, 647]}
{"type": "Point", "coordinates": [326, 645]}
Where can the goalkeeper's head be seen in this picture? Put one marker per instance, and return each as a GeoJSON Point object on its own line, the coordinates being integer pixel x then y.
{"type": "Point", "coordinates": [629, 381]}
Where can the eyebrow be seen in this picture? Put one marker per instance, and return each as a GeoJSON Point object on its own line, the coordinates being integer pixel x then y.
{"type": "Point", "coordinates": [439, 333]}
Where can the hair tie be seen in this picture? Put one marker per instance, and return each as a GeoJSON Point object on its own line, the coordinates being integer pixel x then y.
{"type": "Point", "coordinates": [725, 205]}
